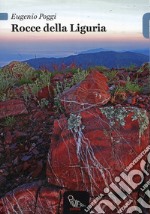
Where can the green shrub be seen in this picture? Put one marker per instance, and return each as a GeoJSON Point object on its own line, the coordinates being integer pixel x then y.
{"type": "Point", "coordinates": [129, 87]}
{"type": "Point", "coordinates": [44, 79]}
{"type": "Point", "coordinates": [99, 68]}
{"type": "Point", "coordinates": [43, 103]}
{"type": "Point", "coordinates": [26, 93]}
{"type": "Point", "coordinates": [132, 86]}
{"type": "Point", "coordinates": [9, 121]}
{"type": "Point", "coordinates": [131, 68]}
{"type": "Point", "coordinates": [111, 75]}
{"type": "Point", "coordinates": [34, 87]}
{"type": "Point", "coordinates": [79, 76]}
{"type": "Point", "coordinates": [6, 81]}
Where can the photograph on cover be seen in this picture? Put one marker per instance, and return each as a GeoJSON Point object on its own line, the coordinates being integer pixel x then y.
{"type": "Point", "coordinates": [74, 106]}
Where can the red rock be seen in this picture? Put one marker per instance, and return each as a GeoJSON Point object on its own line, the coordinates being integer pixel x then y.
{"type": "Point", "coordinates": [38, 169]}
{"type": "Point", "coordinates": [8, 138]}
{"type": "Point", "coordinates": [63, 66]}
{"type": "Point", "coordinates": [31, 198]}
{"type": "Point", "coordinates": [133, 100]}
{"type": "Point", "coordinates": [39, 115]}
{"type": "Point", "coordinates": [10, 66]}
{"type": "Point", "coordinates": [48, 201]}
{"type": "Point", "coordinates": [119, 97]}
{"type": "Point", "coordinates": [17, 92]}
{"type": "Point", "coordinates": [58, 77]}
{"type": "Point", "coordinates": [20, 200]}
{"type": "Point", "coordinates": [123, 74]}
{"type": "Point", "coordinates": [17, 68]}
{"type": "Point", "coordinates": [90, 92]}
{"type": "Point", "coordinates": [46, 92]}
{"type": "Point", "coordinates": [145, 70]}
{"type": "Point", "coordinates": [2, 207]}
{"type": "Point", "coordinates": [12, 108]}
{"type": "Point", "coordinates": [121, 83]}
{"type": "Point", "coordinates": [68, 75]}
{"type": "Point", "coordinates": [142, 105]}
{"type": "Point", "coordinates": [18, 134]}
{"type": "Point", "coordinates": [87, 153]}
{"type": "Point", "coordinates": [104, 206]}
{"type": "Point", "coordinates": [26, 166]}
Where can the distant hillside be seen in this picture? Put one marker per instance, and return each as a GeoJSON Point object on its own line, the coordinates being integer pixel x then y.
{"type": "Point", "coordinates": [105, 58]}
{"type": "Point", "coordinates": [93, 51]}
{"type": "Point", "coordinates": [142, 51]}
{"type": "Point", "coordinates": [145, 51]}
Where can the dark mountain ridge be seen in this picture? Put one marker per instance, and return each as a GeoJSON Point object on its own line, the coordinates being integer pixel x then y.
{"type": "Point", "coordinates": [106, 58]}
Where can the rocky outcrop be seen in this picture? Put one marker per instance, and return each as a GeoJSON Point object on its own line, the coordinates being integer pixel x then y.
{"type": "Point", "coordinates": [17, 68]}
{"type": "Point", "coordinates": [90, 147]}
{"type": "Point", "coordinates": [89, 150]}
{"type": "Point", "coordinates": [32, 198]}
{"type": "Point", "coordinates": [46, 93]}
{"type": "Point", "coordinates": [90, 92]}
{"type": "Point", "coordinates": [12, 108]}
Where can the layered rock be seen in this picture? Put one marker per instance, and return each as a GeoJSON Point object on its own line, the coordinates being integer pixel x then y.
{"type": "Point", "coordinates": [31, 198]}
{"type": "Point", "coordinates": [89, 150]}
{"type": "Point", "coordinates": [17, 68]}
{"type": "Point", "coordinates": [12, 108]}
{"type": "Point", "coordinates": [90, 92]}
{"type": "Point", "coordinates": [92, 148]}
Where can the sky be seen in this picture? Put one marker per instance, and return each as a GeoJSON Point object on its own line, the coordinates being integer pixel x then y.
{"type": "Point", "coordinates": [122, 18]}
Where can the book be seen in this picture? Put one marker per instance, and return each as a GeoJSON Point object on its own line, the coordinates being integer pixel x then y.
{"type": "Point", "coordinates": [74, 107]}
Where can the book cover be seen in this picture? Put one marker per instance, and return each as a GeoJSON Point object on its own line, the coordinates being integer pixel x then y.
{"type": "Point", "coordinates": [74, 106]}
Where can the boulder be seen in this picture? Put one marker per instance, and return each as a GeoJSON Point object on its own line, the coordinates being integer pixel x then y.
{"type": "Point", "coordinates": [12, 108]}
{"type": "Point", "coordinates": [89, 149]}
{"type": "Point", "coordinates": [49, 201]}
{"type": "Point", "coordinates": [46, 93]}
{"type": "Point", "coordinates": [20, 200]}
{"type": "Point", "coordinates": [17, 68]}
{"type": "Point", "coordinates": [93, 91]}
{"type": "Point", "coordinates": [31, 198]}
{"type": "Point", "coordinates": [144, 70]}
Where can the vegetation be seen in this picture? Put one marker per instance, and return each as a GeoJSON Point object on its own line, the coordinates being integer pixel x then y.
{"type": "Point", "coordinates": [78, 76]}
{"type": "Point", "coordinates": [132, 86]}
{"type": "Point", "coordinates": [75, 123]}
{"type": "Point", "coordinates": [9, 121]}
{"type": "Point", "coordinates": [111, 75]}
{"type": "Point", "coordinates": [129, 87]}
{"type": "Point", "coordinates": [43, 103]}
{"type": "Point", "coordinates": [146, 88]}
{"type": "Point", "coordinates": [100, 68]}
{"type": "Point", "coordinates": [26, 93]}
{"type": "Point", "coordinates": [6, 81]}
{"type": "Point", "coordinates": [121, 91]}
{"type": "Point", "coordinates": [131, 68]}
{"type": "Point", "coordinates": [32, 88]}
{"type": "Point", "coordinates": [20, 74]}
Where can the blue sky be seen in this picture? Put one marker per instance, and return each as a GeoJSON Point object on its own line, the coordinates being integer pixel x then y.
{"type": "Point", "coordinates": [123, 19]}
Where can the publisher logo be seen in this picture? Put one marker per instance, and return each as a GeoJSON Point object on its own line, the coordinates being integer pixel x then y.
{"type": "Point", "coordinates": [75, 202]}
{"type": "Point", "coordinates": [3, 16]}
{"type": "Point", "coordinates": [146, 25]}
